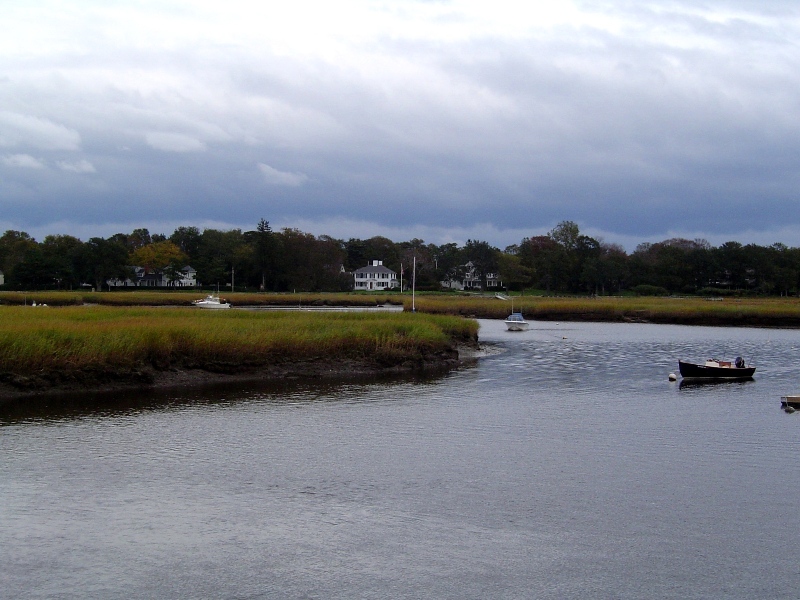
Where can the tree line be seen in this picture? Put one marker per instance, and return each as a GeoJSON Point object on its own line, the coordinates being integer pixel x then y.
{"type": "Point", "coordinates": [562, 261]}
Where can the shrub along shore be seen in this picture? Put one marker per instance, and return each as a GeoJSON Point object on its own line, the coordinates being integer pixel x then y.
{"type": "Point", "coordinates": [110, 347]}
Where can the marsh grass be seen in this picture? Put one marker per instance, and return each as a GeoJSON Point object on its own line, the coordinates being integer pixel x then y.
{"type": "Point", "coordinates": [75, 338]}
{"type": "Point", "coordinates": [779, 312]}
{"type": "Point", "coordinates": [185, 298]}
{"type": "Point", "coordinates": [49, 298]}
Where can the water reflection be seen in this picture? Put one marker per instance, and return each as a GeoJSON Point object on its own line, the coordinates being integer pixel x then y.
{"type": "Point", "coordinates": [76, 405]}
{"type": "Point", "coordinates": [566, 466]}
{"type": "Point", "coordinates": [698, 382]}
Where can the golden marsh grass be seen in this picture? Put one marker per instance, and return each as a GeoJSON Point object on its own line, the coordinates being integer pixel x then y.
{"type": "Point", "coordinates": [778, 312]}
{"type": "Point", "coordinates": [74, 338]}
{"type": "Point", "coordinates": [185, 297]}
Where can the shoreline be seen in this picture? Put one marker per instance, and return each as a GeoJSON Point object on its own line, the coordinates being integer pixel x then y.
{"type": "Point", "coordinates": [93, 380]}
{"type": "Point", "coordinates": [83, 349]}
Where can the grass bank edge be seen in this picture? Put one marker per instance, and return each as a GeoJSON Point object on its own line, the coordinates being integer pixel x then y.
{"type": "Point", "coordinates": [79, 338]}
{"type": "Point", "coordinates": [777, 312]}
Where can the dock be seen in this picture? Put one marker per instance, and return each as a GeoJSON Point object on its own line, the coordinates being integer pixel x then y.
{"type": "Point", "coordinates": [790, 401]}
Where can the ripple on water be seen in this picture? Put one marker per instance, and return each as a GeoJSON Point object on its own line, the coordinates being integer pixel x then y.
{"type": "Point", "coordinates": [562, 465]}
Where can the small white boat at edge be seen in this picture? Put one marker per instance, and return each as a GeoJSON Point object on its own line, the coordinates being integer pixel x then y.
{"type": "Point", "coordinates": [516, 322]}
{"type": "Point", "coordinates": [211, 301]}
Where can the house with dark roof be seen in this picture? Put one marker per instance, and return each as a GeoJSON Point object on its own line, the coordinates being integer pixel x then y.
{"type": "Point", "coordinates": [375, 277]}
{"type": "Point", "coordinates": [471, 279]}
{"type": "Point", "coordinates": [186, 277]}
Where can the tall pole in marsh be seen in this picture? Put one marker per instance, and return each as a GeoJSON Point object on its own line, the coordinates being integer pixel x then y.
{"type": "Point", "coordinates": [414, 286]}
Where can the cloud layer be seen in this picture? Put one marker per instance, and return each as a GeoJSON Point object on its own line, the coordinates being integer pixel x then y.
{"type": "Point", "coordinates": [638, 120]}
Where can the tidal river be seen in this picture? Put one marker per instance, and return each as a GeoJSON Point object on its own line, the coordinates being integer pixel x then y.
{"type": "Point", "coordinates": [563, 464]}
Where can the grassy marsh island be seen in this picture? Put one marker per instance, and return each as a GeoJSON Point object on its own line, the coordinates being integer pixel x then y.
{"type": "Point", "coordinates": [742, 312]}
{"type": "Point", "coordinates": [77, 347]}
{"type": "Point", "coordinates": [185, 297]}
{"type": "Point", "coordinates": [728, 311]}
{"type": "Point", "coordinates": [125, 339]}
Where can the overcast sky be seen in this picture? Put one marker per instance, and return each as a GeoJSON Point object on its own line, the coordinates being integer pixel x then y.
{"type": "Point", "coordinates": [442, 120]}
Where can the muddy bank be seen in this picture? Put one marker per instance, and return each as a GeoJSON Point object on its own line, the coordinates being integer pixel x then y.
{"type": "Point", "coordinates": [162, 377]}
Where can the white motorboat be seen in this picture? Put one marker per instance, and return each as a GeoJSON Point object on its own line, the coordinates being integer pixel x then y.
{"type": "Point", "coordinates": [516, 322]}
{"type": "Point", "coordinates": [211, 301]}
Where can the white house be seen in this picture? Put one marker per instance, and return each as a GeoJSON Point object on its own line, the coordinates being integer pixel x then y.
{"type": "Point", "coordinates": [472, 280]}
{"type": "Point", "coordinates": [186, 277]}
{"type": "Point", "coordinates": [375, 277]}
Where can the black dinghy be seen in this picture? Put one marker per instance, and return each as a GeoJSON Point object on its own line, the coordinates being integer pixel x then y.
{"type": "Point", "coordinates": [716, 369]}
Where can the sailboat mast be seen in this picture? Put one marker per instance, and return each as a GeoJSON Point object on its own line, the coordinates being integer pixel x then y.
{"type": "Point", "coordinates": [414, 286]}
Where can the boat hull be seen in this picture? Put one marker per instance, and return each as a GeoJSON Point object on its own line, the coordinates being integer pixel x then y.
{"type": "Point", "coordinates": [707, 372]}
{"type": "Point", "coordinates": [211, 301]}
{"type": "Point", "coordinates": [516, 322]}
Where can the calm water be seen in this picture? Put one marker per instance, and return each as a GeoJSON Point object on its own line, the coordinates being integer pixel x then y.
{"type": "Point", "coordinates": [563, 465]}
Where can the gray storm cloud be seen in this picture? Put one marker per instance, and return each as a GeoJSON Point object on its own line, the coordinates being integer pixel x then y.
{"type": "Point", "coordinates": [457, 119]}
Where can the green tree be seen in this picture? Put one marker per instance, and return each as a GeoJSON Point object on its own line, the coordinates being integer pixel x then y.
{"type": "Point", "coordinates": [484, 259]}
{"type": "Point", "coordinates": [512, 272]}
{"type": "Point", "coordinates": [310, 264]}
{"type": "Point", "coordinates": [449, 263]}
{"type": "Point", "coordinates": [217, 255]}
{"type": "Point", "coordinates": [106, 259]}
{"type": "Point", "coordinates": [13, 247]}
{"type": "Point", "coordinates": [188, 240]}
{"type": "Point", "coordinates": [614, 268]}
{"type": "Point", "coordinates": [62, 254]}
{"type": "Point", "coordinates": [416, 252]}
{"type": "Point", "coordinates": [264, 250]}
{"type": "Point", "coordinates": [542, 255]}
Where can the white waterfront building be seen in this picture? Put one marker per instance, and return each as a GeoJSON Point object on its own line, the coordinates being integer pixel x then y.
{"type": "Point", "coordinates": [375, 277]}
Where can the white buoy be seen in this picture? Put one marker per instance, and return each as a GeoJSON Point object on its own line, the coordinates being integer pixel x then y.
{"type": "Point", "coordinates": [673, 377]}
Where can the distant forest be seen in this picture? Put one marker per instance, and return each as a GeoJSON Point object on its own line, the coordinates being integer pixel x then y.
{"type": "Point", "coordinates": [563, 261]}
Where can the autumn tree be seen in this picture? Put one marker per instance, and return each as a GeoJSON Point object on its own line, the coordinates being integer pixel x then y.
{"type": "Point", "coordinates": [158, 256]}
